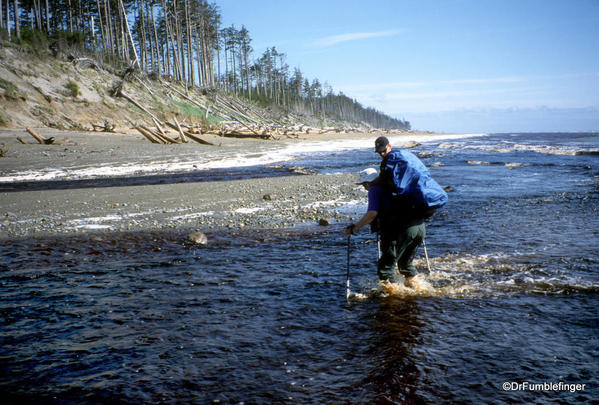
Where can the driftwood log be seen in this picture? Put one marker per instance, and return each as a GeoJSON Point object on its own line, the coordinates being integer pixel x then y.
{"type": "Point", "coordinates": [39, 138]}
{"type": "Point", "coordinates": [119, 93]}
{"type": "Point", "coordinates": [177, 128]}
{"type": "Point", "coordinates": [148, 135]}
{"type": "Point", "coordinates": [160, 135]}
{"type": "Point", "coordinates": [198, 139]}
{"type": "Point", "coordinates": [106, 127]}
{"type": "Point", "coordinates": [181, 134]}
{"type": "Point", "coordinates": [87, 61]}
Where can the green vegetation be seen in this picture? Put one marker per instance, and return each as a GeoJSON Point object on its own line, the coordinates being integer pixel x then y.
{"type": "Point", "coordinates": [69, 39]}
{"type": "Point", "coordinates": [36, 40]}
{"type": "Point", "coordinates": [10, 91]}
{"type": "Point", "coordinates": [193, 111]}
{"type": "Point", "coordinates": [190, 110]}
{"type": "Point", "coordinates": [183, 41]}
{"type": "Point", "coordinates": [73, 88]}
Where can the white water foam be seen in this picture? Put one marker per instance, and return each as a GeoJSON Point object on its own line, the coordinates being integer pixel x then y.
{"type": "Point", "coordinates": [458, 276]}
{"type": "Point", "coordinates": [274, 155]}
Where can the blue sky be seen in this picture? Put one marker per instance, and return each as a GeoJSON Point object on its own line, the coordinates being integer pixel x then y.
{"type": "Point", "coordinates": [445, 65]}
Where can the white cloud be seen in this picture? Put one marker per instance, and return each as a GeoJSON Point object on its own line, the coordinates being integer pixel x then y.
{"type": "Point", "coordinates": [353, 36]}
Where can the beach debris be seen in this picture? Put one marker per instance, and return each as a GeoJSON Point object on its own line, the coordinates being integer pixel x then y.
{"type": "Point", "coordinates": [117, 91]}
{"type": "Point", "coordinates": [39, 138]}
{"type": "Point", "coordinates": [448, 189]}
{"type": "Point", "coordinates": [267, 197]}
{"type": "Point", "coordinates": [178, 128]}
{"type": "Point", "coordinates": [160, 134]}
{"type": "Point", "coordinates": [3, 150]}
{"type": "Point", "coordinates": [85, 61]}
{"type": "Point", "coordinates": [323, 222]}
{"type": "Point", "coordinates": [149, 135]}
{"type": "Point", "coordinates": [106, 127]}
{"type": "Point", "coordinates": [197, 237]}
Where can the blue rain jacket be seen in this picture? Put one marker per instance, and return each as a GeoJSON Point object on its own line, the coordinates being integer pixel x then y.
{"type": "Point", "coordinates": [411, 178]}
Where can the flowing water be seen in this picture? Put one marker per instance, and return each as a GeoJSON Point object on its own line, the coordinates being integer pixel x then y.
{"type": "Point", "coordinates": [507, 313]}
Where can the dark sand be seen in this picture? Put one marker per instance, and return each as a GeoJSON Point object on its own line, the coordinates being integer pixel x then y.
{"type": "Point", "coordinates": [284, 201]}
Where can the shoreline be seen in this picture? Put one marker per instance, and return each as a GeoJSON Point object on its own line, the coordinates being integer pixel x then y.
{"type": "Point", "coordinates": [268, 202]}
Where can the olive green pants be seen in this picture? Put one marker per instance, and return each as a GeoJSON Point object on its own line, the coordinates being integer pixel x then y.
{"type": "Point", "coordinates": [398, 247]}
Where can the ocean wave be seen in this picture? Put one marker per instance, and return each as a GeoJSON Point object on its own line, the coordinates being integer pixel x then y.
{"type": "Point", "coordinates": [544, 149]}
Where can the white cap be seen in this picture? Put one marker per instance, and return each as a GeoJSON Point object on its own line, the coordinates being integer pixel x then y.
{"type": "Point", "coordinates": [368, 175]}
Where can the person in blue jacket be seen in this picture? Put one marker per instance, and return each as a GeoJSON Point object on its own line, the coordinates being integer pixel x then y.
{"type": "Point", "coordinates": [400, 232]}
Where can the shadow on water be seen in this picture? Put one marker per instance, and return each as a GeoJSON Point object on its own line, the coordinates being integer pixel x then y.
{"type": "Point", "coordinates": [393, 376]}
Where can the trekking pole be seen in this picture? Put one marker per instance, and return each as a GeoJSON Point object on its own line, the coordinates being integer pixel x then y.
{"type": "Point", "coordinates": [428, 264]}
{"type": "Point", "coordinates": [347, 278]}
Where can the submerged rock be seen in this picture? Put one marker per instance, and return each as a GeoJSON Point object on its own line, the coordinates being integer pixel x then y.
{"type": "Point", "coordinates": [198, 238]}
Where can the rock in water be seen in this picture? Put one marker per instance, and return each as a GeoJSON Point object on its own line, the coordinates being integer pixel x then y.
{"type": "Point", "coordinates": [409, 144]}
{"type": "Point", "coordinates": [198, 238]}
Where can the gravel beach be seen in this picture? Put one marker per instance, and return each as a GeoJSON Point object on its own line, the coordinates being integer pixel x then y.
{"type": "Point", "coordinates": [42, 206]}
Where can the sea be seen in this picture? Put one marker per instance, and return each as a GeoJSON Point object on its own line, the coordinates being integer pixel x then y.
{"type": "Point", "coordinates": [504, 311]}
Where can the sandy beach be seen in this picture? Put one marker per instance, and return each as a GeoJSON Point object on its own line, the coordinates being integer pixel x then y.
{"type": "Point", "coordinates": [281, 201]}
{"type": "Point", "coordinates": [42, 206]}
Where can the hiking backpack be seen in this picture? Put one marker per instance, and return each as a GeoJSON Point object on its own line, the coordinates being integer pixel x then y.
{"type": "Point", "coordinates": [409, 177]}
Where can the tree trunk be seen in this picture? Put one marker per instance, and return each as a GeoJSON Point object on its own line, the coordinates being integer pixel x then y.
{"type": "Point", "coordinates": [188, 28]}
{"type": "Point", "coordinates": [109, 26]}
{"type": "Point", "coordinates": [7, 19]}
{"type": "Point", "coordinates": [218, 61]}
{"type": "Point", "coordinates": [167, 58]}
{"type": "Point", "coordinates": [47, 18]}
{"type": "Point", "coordinates": [155, 39]}
{"type": "Point", "coordinates": [181, 50]}
{"type": "Point", "coordinates": [143, 41]}
{"type": "Point", "coordinates": [17, 28]}
{"type": "Point", "coordinates": [129, 32]}
{"type": "Point", "coordinates": [70, 16]}
{"type": "Point", "coordinates": [79, 18]}
{"type": "Point", "coordinates": [101, 23]}
{"type": "Point", "coordinates": [93, 32]}
{"type": "Point", "coordinates": [38, 14]}
{"type": "Point", "coordinates": [123, 50]}
{"type": "Point", "coordinates": [199, 58]}
{"type": "Point", "coordinates": [247, 74]}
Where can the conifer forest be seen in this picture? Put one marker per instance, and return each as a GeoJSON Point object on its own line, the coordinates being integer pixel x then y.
{"type": "Point", "coordinates": [185, 41]}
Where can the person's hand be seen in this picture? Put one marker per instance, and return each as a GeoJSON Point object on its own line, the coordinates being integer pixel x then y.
{"type": "Point", "coordinates": [349, 231]}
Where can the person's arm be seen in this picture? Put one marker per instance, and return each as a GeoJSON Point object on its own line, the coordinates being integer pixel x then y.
{"type": "Point", "coordinates": [365, 220]}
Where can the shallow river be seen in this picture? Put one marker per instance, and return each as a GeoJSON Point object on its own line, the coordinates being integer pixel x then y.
{"type": "Point", "coordinates": [508, 312]}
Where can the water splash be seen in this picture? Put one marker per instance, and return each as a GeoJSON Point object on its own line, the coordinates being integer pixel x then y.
{"type": "Point", "coordinates": [470, 276]}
